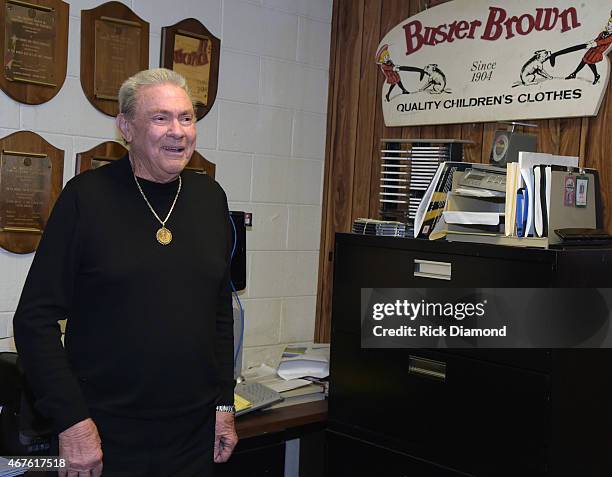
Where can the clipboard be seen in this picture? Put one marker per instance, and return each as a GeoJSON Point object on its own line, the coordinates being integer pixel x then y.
{"type": "Point", "coordinates": [587, 214]}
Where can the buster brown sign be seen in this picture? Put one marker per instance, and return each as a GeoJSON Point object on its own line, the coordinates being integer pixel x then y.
{"type": "Point", "coordinates": [479, 60]}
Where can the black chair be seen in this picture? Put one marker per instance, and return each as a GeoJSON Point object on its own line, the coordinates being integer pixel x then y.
{"type": "Point", "coordinates": [23, 431]}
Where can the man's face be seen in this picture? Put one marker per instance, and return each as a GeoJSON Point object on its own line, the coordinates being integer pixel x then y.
{"type": "Point", "coordinates": [162, 133]}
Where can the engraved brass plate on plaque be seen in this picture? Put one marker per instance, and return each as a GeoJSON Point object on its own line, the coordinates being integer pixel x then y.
{"type": "Point", "coordinates": [117, 52]}
{"type": "Point", "coordinates": [25, 192]}
{"type": "Point", "coordinates": [29, 43]}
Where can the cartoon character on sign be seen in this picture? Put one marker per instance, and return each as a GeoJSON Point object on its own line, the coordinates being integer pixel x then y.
{"type": "Point", "coordinates": [533, 70]}
{"type": "Point", "coordinates": [595, 53]}
{"type": "Point", "coordinates": [388, 68]}
{"type": "Point", "coordinates": [436, 79]}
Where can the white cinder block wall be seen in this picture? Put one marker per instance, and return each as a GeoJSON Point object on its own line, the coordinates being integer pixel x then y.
{"type": "Point", "coordinates": [266, 134]}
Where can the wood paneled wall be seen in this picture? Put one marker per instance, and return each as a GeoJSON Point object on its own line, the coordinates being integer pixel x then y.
{"type": "Point", "coordinates": [355, 126]}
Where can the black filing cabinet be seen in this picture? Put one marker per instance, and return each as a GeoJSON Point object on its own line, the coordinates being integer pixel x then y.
{"type": "Point", "coordinates": [513, 412]}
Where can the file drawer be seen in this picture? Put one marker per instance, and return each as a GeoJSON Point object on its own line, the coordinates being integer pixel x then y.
{"type": "Point", "coordinates": [429, 410]}
{"type": "Point", "coordinates": [352, 457]}
{"type": "Point", "coordinates": [360, 266]}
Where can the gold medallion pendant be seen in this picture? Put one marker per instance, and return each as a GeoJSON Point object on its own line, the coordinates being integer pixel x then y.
{"type": "Point", "coordinates": [164, 236]}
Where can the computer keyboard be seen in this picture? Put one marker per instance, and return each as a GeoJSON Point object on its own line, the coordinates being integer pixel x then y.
{"type": "Point", "coordinates": [257, 394]}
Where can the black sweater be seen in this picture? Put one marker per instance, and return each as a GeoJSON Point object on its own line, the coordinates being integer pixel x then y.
{"type": "Point", "coordinates": [150, 327]}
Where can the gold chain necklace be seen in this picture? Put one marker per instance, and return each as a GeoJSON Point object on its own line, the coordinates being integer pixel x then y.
{"type": "Point", "coordinates": [163, 235]}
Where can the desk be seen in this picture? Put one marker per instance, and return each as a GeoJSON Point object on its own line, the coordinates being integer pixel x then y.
{"type": "Point", "coordinates": [263, 434]}
{"type": "Point", "coordinates": [263, 437]}
{"type": "Point", "coordinates": [312, 415]}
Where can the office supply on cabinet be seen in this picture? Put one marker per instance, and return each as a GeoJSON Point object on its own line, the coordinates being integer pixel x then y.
{"type": "Point", "coordinates": [407, 166]}
{"type": "Point", "coordinates": [475, 203]}
{"type": "Point", "coordinates": [461, 217]}
{"type": "Point", "coordinates": [522, 203]}
{"type": "Point", "coordinates": [554, 207]}
{"type": "Point", "coordinates": [379, 227]}
{"type": "Point", "coordinates": [553, 210]}
{"type": "Point", "coordinates": [507, 144]}
{"type": "Point", "coordinates": [482, 177]}
{"type": "Point", "coordinates": [257, 394]}
{"type": "Point", "coordinates": [514, 183]}
{"type": "Point", "coordinates": [583, 236]}
{"type": "Point", "coordinates": [433, 203]}
{"type": "Point", "coordinates": [540, 200]}
{"type": "Point", "coordinates": [526, 162]}
{"type": "Point", "coordinates": [562, 216]}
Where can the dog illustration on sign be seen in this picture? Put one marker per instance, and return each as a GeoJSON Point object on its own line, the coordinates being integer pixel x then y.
{"type": "Point", "coordinates": [436, 79]}
{"type": "Point", "coordinates": [533, 71]}
{"type": "Point", "coordinates": [436, 82]}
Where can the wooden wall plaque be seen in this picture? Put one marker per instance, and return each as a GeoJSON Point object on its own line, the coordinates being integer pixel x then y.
{"type": "Point", "coordinates": [188, 48]}
{"type": "Point", "coordinates": [31, 174]}
{"type": "Point", "coordinates": [99, 155]}
{"type": "Point", "coordinates": [200, 164]}
{"type": "Point", "coordinates": [114, 46]}
{"type": "Point", "coordinates": [34, 48]}
{"type": "Point", "coordinates": [111, 151]}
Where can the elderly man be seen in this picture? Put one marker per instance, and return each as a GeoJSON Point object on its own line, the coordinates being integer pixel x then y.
{"type": "Point", "coordinates": [136, 256]}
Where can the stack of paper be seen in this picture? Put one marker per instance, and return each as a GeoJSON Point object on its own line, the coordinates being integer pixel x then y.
{"type": "Point", "coordinates": [267, 376]}
{"type": "Point", "coordinates": [313, 365]}
{"type": "Point", "coordinates": [8, 471]}
{"type": "Point", "coordinates": [309, 393]}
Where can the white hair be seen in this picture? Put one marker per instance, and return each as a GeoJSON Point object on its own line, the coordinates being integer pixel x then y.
{"type": "Point", "coordinates": [128, 93]}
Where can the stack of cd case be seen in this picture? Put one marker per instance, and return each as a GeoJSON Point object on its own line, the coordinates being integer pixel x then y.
{"type": "Point", "coordinates": [379, 227]}
{"type": "Point", "coordinates": [407, 167]}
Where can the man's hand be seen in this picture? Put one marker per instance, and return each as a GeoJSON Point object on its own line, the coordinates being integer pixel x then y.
{"type": "Point", "coordinates": [80, 446]}
{"type": "Point", "coordinates": [225, 436]}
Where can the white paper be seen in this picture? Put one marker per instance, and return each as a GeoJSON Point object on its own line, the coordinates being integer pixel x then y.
{"type": "Point", "coordinates": [526, 162]}
{"type": "Point", "coordinates": [313, 365]}
{"type": "Point", "coordinates": [474, 192]}
{"type": "Point", "coordinates": [471, 218]}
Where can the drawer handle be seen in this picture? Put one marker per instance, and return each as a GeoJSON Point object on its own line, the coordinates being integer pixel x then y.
{"type": "Point", "coordinates": [429, 269]}
{"type": "Point", "coordinates": [427, 368]}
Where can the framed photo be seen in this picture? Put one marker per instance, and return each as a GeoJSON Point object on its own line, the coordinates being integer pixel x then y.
{"type": "Point", "coordinates": [191, 50]}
